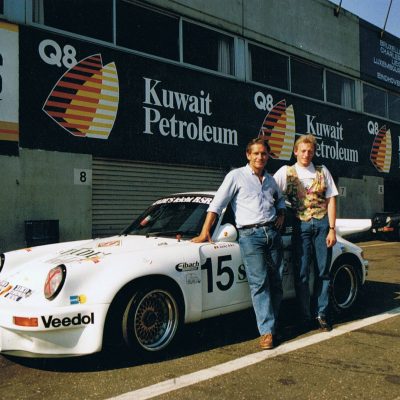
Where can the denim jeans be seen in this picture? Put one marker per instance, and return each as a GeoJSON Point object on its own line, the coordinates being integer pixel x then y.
{"type": "Point", "coordinates": [261, 250]}
{"type": "Point", "coordinates": [309, 244]}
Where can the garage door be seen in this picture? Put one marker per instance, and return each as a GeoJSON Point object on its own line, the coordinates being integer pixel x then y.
{"type": "Point", "coordinates": [121, 190]}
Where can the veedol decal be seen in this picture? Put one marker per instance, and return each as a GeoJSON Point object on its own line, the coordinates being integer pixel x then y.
{"type": "Point", "coordinates": [79, 319]}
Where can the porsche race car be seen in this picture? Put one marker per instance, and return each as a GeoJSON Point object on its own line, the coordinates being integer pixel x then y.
{"type": "Point", "coordinates": [140, 287]}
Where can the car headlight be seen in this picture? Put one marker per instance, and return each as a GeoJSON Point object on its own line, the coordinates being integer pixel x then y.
{"type": "Point", "coordinates": [2, 261]}
{"type": "Point", "coordinates": [54, 282]}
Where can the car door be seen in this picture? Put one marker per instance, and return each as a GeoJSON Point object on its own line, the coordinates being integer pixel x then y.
{"type": "Point", "coordinates": [224, 281]}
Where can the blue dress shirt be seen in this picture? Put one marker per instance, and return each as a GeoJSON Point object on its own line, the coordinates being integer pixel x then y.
{"type": "Point", "coordinates": [253, 202]}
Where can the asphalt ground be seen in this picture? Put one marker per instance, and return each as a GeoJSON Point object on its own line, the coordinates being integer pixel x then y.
{"type": "Point", "coordinates": [359, 364]}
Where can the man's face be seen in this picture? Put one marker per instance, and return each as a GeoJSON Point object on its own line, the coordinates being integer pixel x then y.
{"type": "Point", "coordinates": [257, 157]}
{"type": "Point", "coordinates": [304, 154]}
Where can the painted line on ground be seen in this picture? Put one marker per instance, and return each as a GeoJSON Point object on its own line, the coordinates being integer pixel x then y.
{"type": "Point", "coordinates": [251, 359]}
{"type": "Point", "coordinates": [378, 244]}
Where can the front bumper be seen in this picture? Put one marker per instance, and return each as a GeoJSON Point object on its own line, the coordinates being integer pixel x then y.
{"type": "Point", "coordinates": [60, 332]}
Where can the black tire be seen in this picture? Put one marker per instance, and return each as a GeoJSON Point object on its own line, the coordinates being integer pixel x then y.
{"type": "Point", "coordinates": [151, 319]}
{"type": "Point", "coordinates": [345, 286]}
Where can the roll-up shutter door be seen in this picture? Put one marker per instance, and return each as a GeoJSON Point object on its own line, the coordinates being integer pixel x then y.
{"type": "Point", "coordinates": [121, 190]}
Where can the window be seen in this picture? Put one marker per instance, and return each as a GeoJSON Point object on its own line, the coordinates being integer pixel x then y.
{"type": "Point", "coordinates": [340, 90]}
{"type": "Point", "coordinates": [268, 67]}
{"type": "Point", "coordinates": [394, 106]}
{"type": "Point", "coordinates": [93, 18]}
{"type": "Point", "coordinates": [1, 6]}
{"type": "Point", "coordinates": [374, 100]}
{"type": "Point", "coordinates": [145, 30]}
{"type": "Point", "coordinates": [306, 79]}
{"type": "Point", "coordinates": [207, 48]}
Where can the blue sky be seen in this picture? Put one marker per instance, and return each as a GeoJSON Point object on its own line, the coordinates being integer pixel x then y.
{"type": "Point", "coordinates": [375, 11]}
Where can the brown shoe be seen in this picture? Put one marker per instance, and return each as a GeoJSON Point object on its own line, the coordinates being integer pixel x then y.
{"type": "Point", "coordinates": [266, 341]}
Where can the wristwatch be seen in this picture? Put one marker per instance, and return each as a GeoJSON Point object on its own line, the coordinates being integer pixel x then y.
{"type": "Point", "coordinates": [332, 227]}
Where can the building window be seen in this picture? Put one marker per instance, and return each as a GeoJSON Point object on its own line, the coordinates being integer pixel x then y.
{"type": "Point", "coordinates": [394, 106]}
{"type": "Point", "coordinates": [340, 90]}
{"type": "Point", "coordinates": [374, 100]}
{"type": "Point", "coordinates": [92, 18]}
{"type": "Point", "coordinates": [268, 67]}
{"type": "Point", "coordinates": [148, 31]}
{"type": "Point", "coordinates": [207, 48]}
{"type": "Point", "coordinates": [1, 6]}
{"type": "Point", "coordinates": [306, 79]}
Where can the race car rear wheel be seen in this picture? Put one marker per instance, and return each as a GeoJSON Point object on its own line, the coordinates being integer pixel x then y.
{"type": "Point", "coordinates": [151, 319]}
{"type": "Point", "coordinates": [345, 286]}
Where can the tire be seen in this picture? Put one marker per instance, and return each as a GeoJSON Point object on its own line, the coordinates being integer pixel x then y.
{"type": "Point", "coordinates": [345, 286]}
{"type": "Point", "coordinates": [151, 319]}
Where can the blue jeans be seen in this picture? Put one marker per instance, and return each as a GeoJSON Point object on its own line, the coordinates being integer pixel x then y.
{"type": "Point", "coordinates": [261, 250]}
{"type": "Point", "coordinates": [309, 244]}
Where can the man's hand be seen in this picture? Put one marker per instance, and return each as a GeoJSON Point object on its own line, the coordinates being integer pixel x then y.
{"type": "Point", "coordinates": [205, 231]}
{"type": "Point", "coordinates": [331, 238]}
{"type": "Point", "coordinates": [280, 221]}
{"type": "Point", "coordinates": [203, 237]}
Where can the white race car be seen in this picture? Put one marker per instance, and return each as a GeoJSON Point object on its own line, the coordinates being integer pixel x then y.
{"type": "Point", "coordinates": [67, 299]}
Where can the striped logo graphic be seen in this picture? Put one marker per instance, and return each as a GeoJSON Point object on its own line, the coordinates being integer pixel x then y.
{"type": "Point", "coordinates": [9, 131]}
{"type": "Point", "coordinates": [85, 100]}
{"type": "Point", "coordinates": [381, 152]}
{"type": "Point", "coordinates": [279, 130]}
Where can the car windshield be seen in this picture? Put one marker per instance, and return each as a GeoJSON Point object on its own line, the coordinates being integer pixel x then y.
{"type": "Point", "coordinates": [172, 216]}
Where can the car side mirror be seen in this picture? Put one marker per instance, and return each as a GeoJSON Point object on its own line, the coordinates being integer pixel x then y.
{"type": "Point", "coordinates": [226, 233]}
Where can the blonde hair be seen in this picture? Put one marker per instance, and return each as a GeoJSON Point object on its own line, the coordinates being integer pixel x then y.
{"type": "Point", "coordinates": [309, 138]}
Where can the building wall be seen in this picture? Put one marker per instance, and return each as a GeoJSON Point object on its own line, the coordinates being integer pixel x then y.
{"type": "Point", "coordinates": [362, 198]}
{"type": "Point", "coordinates": [305, 28]}
{"type": "Point", "coordinates": [40, 185]}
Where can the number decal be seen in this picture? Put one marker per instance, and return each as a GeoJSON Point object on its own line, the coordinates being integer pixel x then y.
{"type": "Point", "coordinates": [225, 270]}
{"type": "Point", "coordinates": [208, 267]}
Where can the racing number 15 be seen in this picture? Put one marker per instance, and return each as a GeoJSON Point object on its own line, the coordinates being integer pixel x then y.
{"type": "Point", "coordinates": [221, 270]}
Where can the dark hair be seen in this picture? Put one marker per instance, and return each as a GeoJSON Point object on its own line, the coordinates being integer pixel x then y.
{"type": "Point", "coordinates": [258, 141]}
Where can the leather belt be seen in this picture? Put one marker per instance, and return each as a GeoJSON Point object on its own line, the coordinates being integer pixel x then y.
{"type": "Point", "coordinates": [270, 223]}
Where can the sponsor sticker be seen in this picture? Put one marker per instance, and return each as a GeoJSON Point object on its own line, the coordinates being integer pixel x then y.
{"type": "Point", "coordinates": [79, 299]}
{"type": "Point", "coordinates": [77, 320]}
{"type": "Point", "coordinates": [5, 287]}
{"type": "Point", "coordinates": [192, 279]}
{"type": "Point", "coordinates": [18, 292]}
{"type": "Point", "coordinates": [185, 199]}
{"type": "Point", "coordinates": [184, 266]}
{"type": "Point", "coordinates": [78, 255]}
{"type": "Point", "coordinates": [112, 243]}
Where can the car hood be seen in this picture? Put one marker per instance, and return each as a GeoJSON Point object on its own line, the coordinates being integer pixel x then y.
{"type": "Point", "coordinates": [92, 262]}
{"type": "Point", "coordinates": [93, 251]}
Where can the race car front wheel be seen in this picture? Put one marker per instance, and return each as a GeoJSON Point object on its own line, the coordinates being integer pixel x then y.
{"type": "Point", "coordinates": [345, 285]}
{"type": "Point", "coordinates": [151, 319]}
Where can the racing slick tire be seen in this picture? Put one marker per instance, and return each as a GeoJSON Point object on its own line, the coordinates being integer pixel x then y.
{"type": "Point", "coordinates": [151, 319]}
{"type": "Point", "coordinates": [345, 286]}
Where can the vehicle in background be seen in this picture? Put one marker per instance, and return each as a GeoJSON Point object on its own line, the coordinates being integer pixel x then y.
{"type": "Point", "coordinates": [386, 225]}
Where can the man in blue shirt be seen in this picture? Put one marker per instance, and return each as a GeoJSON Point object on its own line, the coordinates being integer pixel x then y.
{"type": "Point", "coordinates": [259, 208]}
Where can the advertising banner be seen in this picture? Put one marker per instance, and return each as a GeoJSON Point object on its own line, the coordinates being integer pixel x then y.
{"type": "Point", "coordinates": [379, 57]}
{"type": "Point", "coordinates": [85, 98]}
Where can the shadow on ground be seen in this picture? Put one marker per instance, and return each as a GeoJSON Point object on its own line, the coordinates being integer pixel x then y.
{"type": "Point", "coordinates": [377, 297]}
